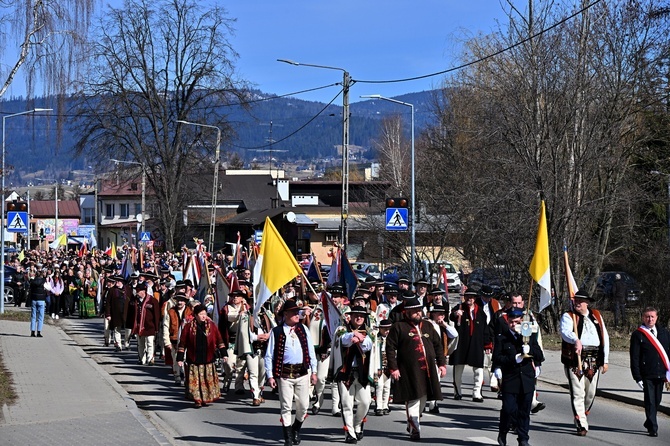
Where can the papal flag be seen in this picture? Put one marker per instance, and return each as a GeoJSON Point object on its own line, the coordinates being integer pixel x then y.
{"type": "Point", "coordinates": [275, 267]}
{"type": "Point", "coordinates": [540, 270]}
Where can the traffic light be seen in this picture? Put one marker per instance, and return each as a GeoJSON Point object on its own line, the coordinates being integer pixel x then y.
{"type": "Point", "coordinates": [17, 206]}
{"type": "Point", "coordinates": [41, 233]}
{"type": "Point", "coordinates": [397, 202]}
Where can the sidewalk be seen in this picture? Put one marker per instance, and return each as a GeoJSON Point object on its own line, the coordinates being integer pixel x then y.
{"type": "Point", "coordinates": [616, 384]}
{"type": "Point", "coordinates": [64, 397]}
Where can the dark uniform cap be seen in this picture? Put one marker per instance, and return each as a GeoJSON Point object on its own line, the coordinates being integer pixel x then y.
{"type": "Point", "coordinates": [514, 312]}
{"type": "Point", "coordinates": [391, 288]}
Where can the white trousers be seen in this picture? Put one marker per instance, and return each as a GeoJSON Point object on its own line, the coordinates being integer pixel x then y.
{"type": "Point", "coordinates": [145, 349]}
{"type": "Point", "coordinates": [382, 392]}
{"type": "Point", "coordinates": [321, 374]}
{"type": "Point", "coordinates": [256, 368]}
{"type": "Point", "coordinates": [478, 380]}
{"type": "Point", "coordinates": [582, 395]}
{"type": "Point", "coordinates": [290, 389]}
{"type": "Point", "coordinates": [488, 362]}
{"type": "Point", "coordinates": [414, 409]}
{"type": "Point", "coordinates": [358, 395]}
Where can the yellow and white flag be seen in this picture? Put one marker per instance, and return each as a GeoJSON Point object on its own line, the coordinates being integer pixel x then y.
{"type": "Point", "coordinates": [540, 269]}
{"type": "Point", "coordinates": [275, 266]}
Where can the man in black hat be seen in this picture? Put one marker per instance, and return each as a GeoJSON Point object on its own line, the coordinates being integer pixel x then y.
{"type": "Point", "coordinates": [414, 354]}
{"type": "Point", "coordinates": [116, 311]}
{"type": "Point", "coordinates": [421, 292]}
{"type": "Point", "coordinates": [584, 354]}
{"type": "Point", "coordinates": [384, 309]}
{"type": "Point", "coordinates": [403, 284]}
{"type": "Point", "coordinates": [448, 336]}
{"type": "Point", "coordinates": [228, 322]}
{"type": "Point", "coordinates": [517, 360]}
{"type": "Point", "coordinates": [490, 306]}
{"type": "Point", "coordinates": [383, 377]}
{"type": "Point", "coordinates": [173, 322]}
{"type": "Point", "coordinates": [351, 363]}
{"type": "Point", "coordinates": [290, 366]}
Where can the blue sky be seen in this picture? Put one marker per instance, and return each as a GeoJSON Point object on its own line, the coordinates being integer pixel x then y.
{"type": "Point", "coordinates": [371, 39]}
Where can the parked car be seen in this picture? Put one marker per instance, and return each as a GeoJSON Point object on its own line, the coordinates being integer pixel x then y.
{"type": "Point", "coordinates": [392, 273]}
{"type": "Point", "coordinates": [14, 286]}
{"type": "Point", "coordinates": [603, 293]}
{"type": "Point", "coordinates": [487, 276]}
{"type": "Point", "coordinates": [369, 268]}
{"type": "Point", "coordinates": [362, 276]}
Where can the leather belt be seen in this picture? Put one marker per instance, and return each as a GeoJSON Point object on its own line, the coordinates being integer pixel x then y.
{"type": "Point", "coordinates": [293, 371]}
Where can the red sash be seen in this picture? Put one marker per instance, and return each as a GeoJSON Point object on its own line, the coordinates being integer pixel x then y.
{"type": "Point", "coordinates": [659, 349]}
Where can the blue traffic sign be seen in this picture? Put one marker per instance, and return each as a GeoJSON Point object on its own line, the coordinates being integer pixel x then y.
{"type": "Point", "coordinates": [145, 236]}
{"type": "Point", "coordinates": [17, 221]}
{"type": "Point", "coordinates": [397, 219]}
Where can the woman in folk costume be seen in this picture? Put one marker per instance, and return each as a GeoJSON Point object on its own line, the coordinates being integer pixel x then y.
{"type": "Point", "coordinates": [199, 343]}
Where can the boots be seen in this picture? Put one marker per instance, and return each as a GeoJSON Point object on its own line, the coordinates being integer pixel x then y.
{"type": "Point", "coordinates": [39, 334]}
{"type": "Point", "coordinates": [296, 431]}
{"type": "Point", "coordinates": [288, 436]}
{"type": "Point", "coordinates": [32, 334]}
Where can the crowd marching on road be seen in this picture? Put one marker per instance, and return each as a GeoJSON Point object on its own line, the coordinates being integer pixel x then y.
{"type": "Point", "coordinates": [382, 343]}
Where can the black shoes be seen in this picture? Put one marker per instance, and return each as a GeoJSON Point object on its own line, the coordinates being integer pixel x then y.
{"type": "Point", "coordinates": [39, 334]}
{"type": "Point", "coordinates": [315, 410]}
{"type": "Point", "coordinates": [386, 411]}
{"type": "Point", "coordinates": [379, 412]}
{"type": "Point", "coordinates": [435, 409]}
{"type": "Point", "coordinates": [502, 439]}
{"type": "Point", "coordinates": [337, 414]}
{"type": "Point", "coordinates": [478, 400]}
{"type": "Point", "coordinates": [458, 396]}
{"type": "Point", "coordinates": [539, 407]}
{"type": "Point", "coordinates": [32, 334]}
{"type": "Point", "coordinates": [349, 439]}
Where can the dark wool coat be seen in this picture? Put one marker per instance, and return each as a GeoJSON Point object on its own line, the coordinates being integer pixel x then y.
{"type": "Point", "coordinates": [645, 362]}
{"type": "Point", "coordinates": [518, 378]}
{"type": "Point", "coordinates": [115, 308]}
{"type": "Point", "coordinates": [418, 372]}
{"type": "Point", "coordinates": [473, 335]}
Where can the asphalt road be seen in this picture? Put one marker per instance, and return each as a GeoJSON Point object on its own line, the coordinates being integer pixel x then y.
{"type": "Point", "coordinates": [233, 420]}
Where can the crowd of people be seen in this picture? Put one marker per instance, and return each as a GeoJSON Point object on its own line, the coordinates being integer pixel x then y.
{"type": "Point", "coordinates": [390, 342]}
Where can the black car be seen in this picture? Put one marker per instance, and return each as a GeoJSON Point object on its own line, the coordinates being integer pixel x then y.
{"type": "Point", "coordinates": [486, 276]}
{"type": "Point", "coordinates": [603, 293]}
{"type": "Point", "coordinates": [14, 286]}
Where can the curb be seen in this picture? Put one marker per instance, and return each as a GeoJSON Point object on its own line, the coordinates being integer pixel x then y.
{"type": "Point", "coordinates": [149, 421]}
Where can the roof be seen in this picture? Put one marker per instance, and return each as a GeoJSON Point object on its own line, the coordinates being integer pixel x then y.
{"type": "Point", "coordinates": [255, 217]}
{"type": "Point", "coordinates": [47, 209]}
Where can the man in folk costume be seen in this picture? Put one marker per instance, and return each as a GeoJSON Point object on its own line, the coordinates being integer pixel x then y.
{"type": "Point", "coordinates": [338, 295]}
{"type": "Point", "coordinates": [107, 283]}
{"type": "Point", "coordinates": [228, 320]}
{"type": "Point", "coordinates": [383, 375]}
{"type": "Point", "coordinates": [147, 322]}
{"type": "Point", "coordinates": [474, 334]}
{"type": "Point", "coordinates": [290, 366]}
{"type": "Point", "coordinates": [491, 306]}
{"type": "Point", "coordinates": [448, 336]}
{"type": "Point", "coordinates": [322, 342]}
{"type": "Point", "coordinates": [384, 309]}
{"type": "Point", "coordinates": [115, 312]}
{"type": "Point", "coordinates": [352, 344]}
{"type": "Point", "coordinates": [416, 361]}
{"type": "Point", "coordinates": [249, 349]}
{"type": "Point", "coordinates": [584, 355]}
{"type": "Point", "coordinates": [649, 364]}
{"type": "Point", "coordinates": [173, 323]}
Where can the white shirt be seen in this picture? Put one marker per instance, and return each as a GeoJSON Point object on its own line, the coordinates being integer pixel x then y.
{"type": "Point", "coordinates": [589, 336]}
{"type": "Point", "coordinates": [292, 350]}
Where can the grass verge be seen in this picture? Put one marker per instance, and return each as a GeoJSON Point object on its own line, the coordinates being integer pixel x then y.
{"type": "Point", "coordinates": [7, 394]}
{"type": "Point", "coordinates": [20, 316]}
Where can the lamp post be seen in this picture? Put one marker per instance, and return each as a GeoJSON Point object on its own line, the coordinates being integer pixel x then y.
{"type": "Point", "coordinates": [412, 181]}
{"type": "Point", "coordinates": [2, 217]}
{"type": "Point", "coordinates": [56, 204]}
{"type": "Point", "coordinates": [215, 186]}
{"type": "Point", "coordinates": [144, 187]}
{"type": "Point", "coordinates": [346, 84]}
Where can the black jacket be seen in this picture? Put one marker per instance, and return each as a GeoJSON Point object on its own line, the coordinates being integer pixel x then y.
{"type": "Point", "coordinates": [37, 291]}
{"type": "Point", "coordinates": [517, 377]}
{"type": "Point", "coordinates": [645, 362]}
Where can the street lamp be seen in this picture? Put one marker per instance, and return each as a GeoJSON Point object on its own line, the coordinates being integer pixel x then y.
{"type": "Point", "coordinates": [412, 181]}
{"type": "Point", "coordinates": [56, 204]}
{"type": "Point", "coordinates": [346, 84]}
{"type": "Point", "coordinates": [144, 187]}
{"type": "Point", "coordinates": [2, 230]}
{"type": "Point", "coordinates": [215, 186]}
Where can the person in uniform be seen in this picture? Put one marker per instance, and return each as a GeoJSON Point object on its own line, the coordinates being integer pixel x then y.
{"type": "Point", "coordinates": [290, 366]}
{"type": "Point", "coordinates": [584, 354]}
{"type": "Point", "coordinates": [414, 354]}
{"type": "Point", "coordinates": [649, 364]}
{"type": "Point", "coordinates": [517, 362]}
{"type": "Point", "coordinates": [351, 355]}
{"type": "Point", "coordinates": [474, 334]}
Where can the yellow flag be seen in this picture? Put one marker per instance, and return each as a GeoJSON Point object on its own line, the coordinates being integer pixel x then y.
{"type": "Point", "coordinates": [22, 255]}
{"type": "Point", "coordinates": [540, 269]}
{"type": "Point", "coordinates": [275, 266]}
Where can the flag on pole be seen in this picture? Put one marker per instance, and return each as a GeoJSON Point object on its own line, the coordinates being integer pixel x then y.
{"type": "Point", "coordinates": [221, 292]}
{"type": "Point", "coordinates": [347, 275]}
{"type": "Point", "coordinates": [572, 285]}
{"type": "Point", "coordinates": [539, 269]}
{"type": "Point", "coordinates": [331, 314]}
{"type": "Point", "coordinates": [275, 266]}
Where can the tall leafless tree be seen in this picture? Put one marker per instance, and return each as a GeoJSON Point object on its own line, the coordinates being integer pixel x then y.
{"type": "Point", "coordinates": [154, 63]}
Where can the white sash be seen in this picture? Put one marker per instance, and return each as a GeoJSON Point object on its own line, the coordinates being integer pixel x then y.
{"type": "Point", "coordinates": [659, 349]}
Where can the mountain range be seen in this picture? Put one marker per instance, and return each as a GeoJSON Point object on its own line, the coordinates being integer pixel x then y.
{"type": "Point", "coordinates": [283, 128]}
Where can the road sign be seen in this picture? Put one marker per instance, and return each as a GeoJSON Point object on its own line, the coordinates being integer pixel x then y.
{"type": "Point", "coordinates": [17, 221]}
{"type": "Point", "coordinates": [396, 219]}
{"type": "Point", "coordinates": [145, 236]}
{"type": "Point", "coordinates": [258, 236]}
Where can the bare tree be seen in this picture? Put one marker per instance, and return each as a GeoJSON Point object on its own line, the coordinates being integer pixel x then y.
{"type": "Point", "coordinates": [152, 64]}
{"type": "Point", "coordinates": [45, 38]}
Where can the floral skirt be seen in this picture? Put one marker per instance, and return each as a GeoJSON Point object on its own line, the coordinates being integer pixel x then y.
{"type": "Point", "coordinates": [202, 383]}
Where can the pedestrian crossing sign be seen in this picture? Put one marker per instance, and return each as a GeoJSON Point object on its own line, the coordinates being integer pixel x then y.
{"type": "Point", "coordinates": [17, 221]}
{"type": "Point", "coordinates": [145, 236]}
{"type": "Point", "coordinates": [396, 219]}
